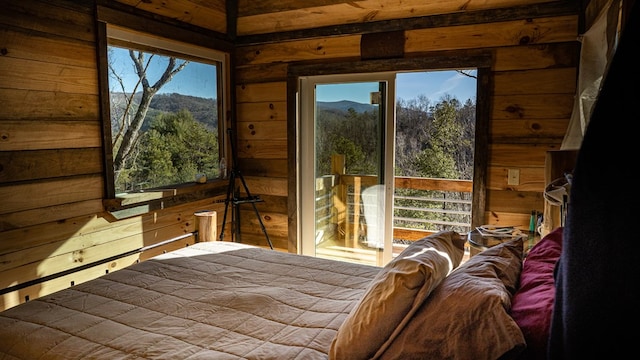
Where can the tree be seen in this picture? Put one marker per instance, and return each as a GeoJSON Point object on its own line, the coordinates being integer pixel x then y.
{"type": "Point", "coordinates": [438, 158]}
{"type": "Point", "coordinates": [128, 133]}
{"type": "Point", "coordinates": [412, 133]}
{"type": "Point", "coordinates": [173, 150]}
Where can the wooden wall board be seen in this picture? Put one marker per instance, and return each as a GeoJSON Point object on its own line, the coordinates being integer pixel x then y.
{"type": "Point", "coordinates": [299, 50]}
{"type": "Point", "coordinates": [261, 92]}
{"type": "Point", "coordinates": [519, 202]}
{"type": "Point", "coordinates": [527, 82]}
{"type": "Point", "coordinates": [508, 33]}
{"type": "Point", "coordinates": [276, 168]}
{"type": "Point", "coordinates": [537, 56]}
{"type": "Point", "coordinates": [528, 130]}
{"type": "Point", "coordinates": [535, 106]}
{"type": "Point", "coordinates": [519, 155]}
{"type": "Point", "coordinates": [262, 111]}
{"type": "Point", "coordinates": [275, 223]}
{"type": "Point", "coordinates": [56, 134]}
{"type": "Point", "coordinates": [501, 218]}
{"type": "Point", "coordinates": [261, 149]}
{"type": "Point", "coordinates": [26, 74]}
{"type": "Point", "coordinates": [253, 73]}
{"type": "Point", "coordinates": [72, 20]}
{"type": "Point", "coordinates": [47, 214]}
{"type": "Point", "coordinates": [27, 196]}
{"type": "Point", "coordinates": [266, 185]}
{"type": "Point", "coordinates": [36, 46]}
{"type": "Point", "coordinates": [262, 130]}
{"type": "Point", "coordinates": [43, 164]}
{"type": "Point", "coordinates": [52, 105]}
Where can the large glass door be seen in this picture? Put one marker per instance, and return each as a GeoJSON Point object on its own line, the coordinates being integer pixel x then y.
{"type": "Point", "coordinates": [346, 167]}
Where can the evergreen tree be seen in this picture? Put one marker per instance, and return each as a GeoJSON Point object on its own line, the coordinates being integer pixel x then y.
{"type": "Point", "coordinates": [172, 151]}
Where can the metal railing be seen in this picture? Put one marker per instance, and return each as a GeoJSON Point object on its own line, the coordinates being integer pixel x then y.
{"type": "Point", "coordinates": [421, 206]}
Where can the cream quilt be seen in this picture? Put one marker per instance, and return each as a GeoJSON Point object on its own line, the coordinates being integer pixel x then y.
{"type": "Point", "coordinates": [215, 300]}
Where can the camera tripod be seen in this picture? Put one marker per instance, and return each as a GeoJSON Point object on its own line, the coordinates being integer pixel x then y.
{"type": "Point", "coordinates": [233, 198]}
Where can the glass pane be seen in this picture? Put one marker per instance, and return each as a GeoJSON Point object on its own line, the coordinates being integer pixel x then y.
{"type": "Point", "coordinates": [435, 139]}
{"type": "Point", "coordinates": [349, 149]}
{"type": "Point", "coordinates": [164, 119]}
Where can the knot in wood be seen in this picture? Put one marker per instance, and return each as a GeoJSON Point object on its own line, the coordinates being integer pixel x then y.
{"type": "Point", "coordinates": [525, 40]}
{"type": "Point", "coordinates": [515, 109]}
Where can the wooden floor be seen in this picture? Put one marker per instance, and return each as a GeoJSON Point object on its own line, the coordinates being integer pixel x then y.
{"type": "Point", "coordinates": [362, 254]}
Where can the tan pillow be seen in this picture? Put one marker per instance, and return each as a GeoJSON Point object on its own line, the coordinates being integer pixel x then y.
{"type": "Point", "coordinates": [467, 315]}
{"type": "Point", "coordinates": [395, 293]}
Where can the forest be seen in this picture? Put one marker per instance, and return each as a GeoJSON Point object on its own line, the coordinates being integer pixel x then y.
{"type": "Point", "coordinates": [432, 140]}
{"type": "Point", "coordinates": [178, 139]}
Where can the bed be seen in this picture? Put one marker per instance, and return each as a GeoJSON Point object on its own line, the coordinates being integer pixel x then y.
{"type": "Point", "coordinates": [225, 300]}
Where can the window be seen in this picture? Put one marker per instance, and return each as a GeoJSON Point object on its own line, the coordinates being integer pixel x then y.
{"type": "Point", "coordinates": [166, 106]}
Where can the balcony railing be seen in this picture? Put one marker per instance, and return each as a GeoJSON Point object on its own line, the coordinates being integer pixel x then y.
{"type": "Point", "coordinates": [422, 206]}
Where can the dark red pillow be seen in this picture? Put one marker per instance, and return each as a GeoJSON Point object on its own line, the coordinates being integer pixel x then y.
{"type": "Point", "coordinates": [532, 304]}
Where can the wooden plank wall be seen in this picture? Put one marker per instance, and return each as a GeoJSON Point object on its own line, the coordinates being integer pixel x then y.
{"type": "Point", "coordinates": [533, 73]}
{"type": "Point", "coordinates": [52, 217]}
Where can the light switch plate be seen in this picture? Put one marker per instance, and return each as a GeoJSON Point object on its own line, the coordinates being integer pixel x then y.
{"type": "Point", "coordinates": [513, 178]}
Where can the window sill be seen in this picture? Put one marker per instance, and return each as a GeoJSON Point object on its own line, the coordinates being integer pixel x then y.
{"type": "Point", "coordinates": [132, 204]}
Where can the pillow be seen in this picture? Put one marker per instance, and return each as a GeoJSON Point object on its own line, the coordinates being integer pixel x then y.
{"type": "Point", "coordinates": [395, 293]}
{"type": "Point", "coordinates": [466, 316]}
{"type": "Point", "coordinates": [532, 304]}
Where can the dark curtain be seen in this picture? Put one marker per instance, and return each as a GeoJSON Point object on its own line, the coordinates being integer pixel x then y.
{"type": "Point", "coordinates": [597, 305]}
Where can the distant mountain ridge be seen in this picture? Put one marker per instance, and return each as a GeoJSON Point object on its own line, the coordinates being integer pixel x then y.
{"type": "Point", "coordinates": [204, 109]}
{"type": "Point", "coordinates": [344, 105]}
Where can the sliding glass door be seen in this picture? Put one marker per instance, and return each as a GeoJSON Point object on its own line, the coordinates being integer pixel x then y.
{"type": "Point", "coordinates": [346, 167]}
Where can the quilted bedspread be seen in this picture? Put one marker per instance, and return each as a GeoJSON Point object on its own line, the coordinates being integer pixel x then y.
{"type": "Point", "coordinates": [215, 300]}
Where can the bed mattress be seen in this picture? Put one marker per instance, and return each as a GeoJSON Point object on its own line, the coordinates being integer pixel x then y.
{"type": "Point", "coordinates": [219, 300]}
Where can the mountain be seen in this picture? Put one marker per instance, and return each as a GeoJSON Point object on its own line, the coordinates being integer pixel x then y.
{"type": "Point", "coordinates": [203, 109]}
{"type": "Point", "coordinates": [344, 105]}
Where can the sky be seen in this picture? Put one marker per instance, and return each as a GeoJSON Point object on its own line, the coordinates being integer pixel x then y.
{"type": "Point", "coordinates": [196, 79]}
{"type": "Point", "coordinates": [432, 84]}
{"type": "Point", "coordinates": [200, 79]}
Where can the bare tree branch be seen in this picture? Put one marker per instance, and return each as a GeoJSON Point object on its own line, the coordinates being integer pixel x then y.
{"type": "Point", "coordinates": [132, 133]}
{"type": "Point", "coordinates": [465, 73]}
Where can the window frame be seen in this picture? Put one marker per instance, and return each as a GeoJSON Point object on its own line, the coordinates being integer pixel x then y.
{"type": "Point", "coordinates": [181, 42]}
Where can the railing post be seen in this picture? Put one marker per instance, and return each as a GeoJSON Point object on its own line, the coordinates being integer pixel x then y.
{"type": "Point", "coordinates": [339, 199]}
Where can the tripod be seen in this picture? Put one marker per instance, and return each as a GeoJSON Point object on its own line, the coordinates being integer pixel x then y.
{"type": "Point", "coordinates": [234, 199]}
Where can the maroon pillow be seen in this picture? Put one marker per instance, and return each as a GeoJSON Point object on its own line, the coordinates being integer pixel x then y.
{"type": "Point", "coordinates": [532, 303]}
